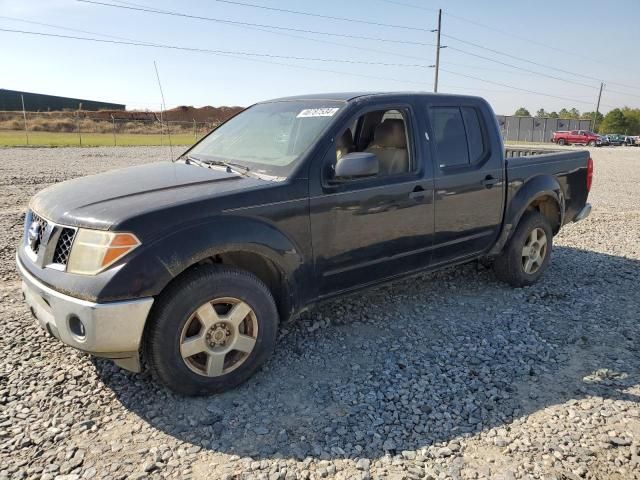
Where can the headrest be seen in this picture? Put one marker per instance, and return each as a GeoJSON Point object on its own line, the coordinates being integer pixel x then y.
{"type": "Point", "coordinates": [346, 139]}
{"type": "Point", "coordinates": [390, 134]}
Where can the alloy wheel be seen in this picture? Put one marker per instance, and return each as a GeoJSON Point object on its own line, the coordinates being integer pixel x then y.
{"type": "Point", "coordinates": [219, 337]}
{"type": "Point", "coordinates": [534, 251]}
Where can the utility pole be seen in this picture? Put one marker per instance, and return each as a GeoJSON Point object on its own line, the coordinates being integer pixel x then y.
{"type": "Point", "coordinates": [435, 82]}
{"type": "Point", "coordinates": [595, 116]}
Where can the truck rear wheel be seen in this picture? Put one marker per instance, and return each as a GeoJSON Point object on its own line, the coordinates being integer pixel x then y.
{"type": "Point", "coordinates": [211, 330]}
{"type": "Point", "coordinates": [528, 253]}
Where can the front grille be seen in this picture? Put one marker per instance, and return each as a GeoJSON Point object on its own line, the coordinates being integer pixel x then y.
{"type": "Point", "coordinates": [49, 242]}
{"type": "Point", "coordinates": [35, 246]}
{"type": "Point", "coordinates": [63, 248]}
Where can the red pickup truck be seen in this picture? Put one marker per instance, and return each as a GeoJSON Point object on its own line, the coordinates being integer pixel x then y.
{"type": "Point", "coordinates": [583, 137]}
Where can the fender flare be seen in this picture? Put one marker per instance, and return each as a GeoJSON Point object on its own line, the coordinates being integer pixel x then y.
{"type": "Point", "coordinates": [531, 190]}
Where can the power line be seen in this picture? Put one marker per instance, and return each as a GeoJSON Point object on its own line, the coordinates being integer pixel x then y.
{"type": "Point", "coordinates": [328, 42]}
{"type": "Point", "coordinates": [215, 52]}
{"type": "Point", "coordinates": [331, 43]}
{"type": "Point", "coordinates": [622, 93]}
{"type": "Point", "coordinates": [528, 40]}
{"type": "Point", "coordinates": [519, 88]}
{"type": "Point", "coordinates": [327, 17]}
{"type": "Point", "coordinates": [515, 57]}
{"type": "Point", "coordinates": [503, 32]}
{"type": "Point", "coordinates": [237, 55]}
{"type": "Point", "coordinates": [403, 4]}
{"type": "Point", "coordinates": [519, 68]}
{"type": "Point", "coordinates": [261, 28]}
{"type": "Point", "coordinates": [14, 19]}
{"type": "Point", "coordinates": [260, 57]}
{"type": "Point", "coordinates": [142, 8]}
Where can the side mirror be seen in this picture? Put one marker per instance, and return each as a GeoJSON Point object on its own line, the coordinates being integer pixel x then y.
{"type": "Point", "coordinates": [357, 165]}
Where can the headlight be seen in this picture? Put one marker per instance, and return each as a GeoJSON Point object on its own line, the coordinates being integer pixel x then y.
{"type": "Point", "coordinates": [94, 250]}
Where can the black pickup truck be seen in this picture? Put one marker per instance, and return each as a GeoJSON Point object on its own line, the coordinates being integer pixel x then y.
{"type": "Point", "coordinates": [191, 265]}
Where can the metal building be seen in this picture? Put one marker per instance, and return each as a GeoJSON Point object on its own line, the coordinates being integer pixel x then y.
{"type": "Point", "coordinates": [11, 100]}
{"type": "Point", "coordinates": [533, 129]}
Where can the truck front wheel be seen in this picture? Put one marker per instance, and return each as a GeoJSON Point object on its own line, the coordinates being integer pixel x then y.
{"type": "Point", "coordinates": [528, 253]}
{"type": "Point", "coordinates": [211, 330]}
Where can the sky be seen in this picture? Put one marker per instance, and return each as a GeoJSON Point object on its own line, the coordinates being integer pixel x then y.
{"type": "Point", "coordinates": [578, 46]}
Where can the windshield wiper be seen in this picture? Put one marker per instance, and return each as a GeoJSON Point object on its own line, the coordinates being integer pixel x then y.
{"type": "Point", "coordinates": [231, 167]}
{"type": "Point", "coordinates": [188, 159]}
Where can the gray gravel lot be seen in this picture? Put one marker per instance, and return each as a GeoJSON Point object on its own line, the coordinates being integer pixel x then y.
{"type": "Point", "coordinates": [446, 375]}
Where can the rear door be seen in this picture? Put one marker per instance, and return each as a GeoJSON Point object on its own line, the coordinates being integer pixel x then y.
{"type": "Point", "coordinates": [469, 179]}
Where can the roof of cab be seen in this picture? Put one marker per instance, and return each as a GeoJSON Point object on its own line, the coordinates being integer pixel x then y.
{"type": "Point", "coordinates": [347, 96]}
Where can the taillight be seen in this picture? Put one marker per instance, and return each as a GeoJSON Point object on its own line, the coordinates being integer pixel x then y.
{"type": "Point", "coordinates": [589, 174]}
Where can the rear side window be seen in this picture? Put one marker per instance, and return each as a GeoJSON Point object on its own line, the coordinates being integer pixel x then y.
{"type": "Point", "coordinates": [459, 136]}
{"type": "Point", "coordinates": [450, 137]}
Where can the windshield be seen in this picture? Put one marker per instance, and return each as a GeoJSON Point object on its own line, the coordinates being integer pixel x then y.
{"type": "Point", "coordinates": [268, 138]}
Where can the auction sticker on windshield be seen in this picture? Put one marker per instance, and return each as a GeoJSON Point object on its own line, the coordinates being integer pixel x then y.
{"type": "Point", "coordinates": [317, 112]}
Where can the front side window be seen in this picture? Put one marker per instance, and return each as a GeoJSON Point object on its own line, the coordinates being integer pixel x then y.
{"type": "Point", "coordinates": [383, 133]}
{"type": "Point", "coordinates": [269, 138]}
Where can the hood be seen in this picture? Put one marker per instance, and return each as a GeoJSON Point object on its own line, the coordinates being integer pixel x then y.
{"type": "Point", "coordinates": [100, 201]}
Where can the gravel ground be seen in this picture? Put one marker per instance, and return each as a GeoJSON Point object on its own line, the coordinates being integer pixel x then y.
{"type": "Point", "coordinates": [446, 375]}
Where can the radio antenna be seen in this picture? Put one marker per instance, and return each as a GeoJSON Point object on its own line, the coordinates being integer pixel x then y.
{"type": "Point", "coordinates": [163, 109]}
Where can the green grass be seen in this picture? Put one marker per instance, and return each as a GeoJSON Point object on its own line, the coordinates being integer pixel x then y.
{"type": "Point", "coordinates": [61, 139]}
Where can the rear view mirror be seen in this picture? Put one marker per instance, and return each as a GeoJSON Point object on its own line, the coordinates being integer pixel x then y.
{"type": "Point", "coordinates": [357, 165]}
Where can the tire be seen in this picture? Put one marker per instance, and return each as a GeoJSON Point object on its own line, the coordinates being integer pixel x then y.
{"type": "Point", "coordinates": [562, 141]}
{"type": "Point", "coordinates": [510, 265]}
{"type": "Point", "coordinates": [196, 324]}
{"type": "Point", "coordinates": [592, 143]}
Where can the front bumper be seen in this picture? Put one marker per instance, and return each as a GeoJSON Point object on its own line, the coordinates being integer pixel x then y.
{"type": "Point", "coordinates": [111, 330]}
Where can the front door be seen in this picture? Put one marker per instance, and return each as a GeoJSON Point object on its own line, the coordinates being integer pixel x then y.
{"type": "Point", "coordinates": [365, 230]}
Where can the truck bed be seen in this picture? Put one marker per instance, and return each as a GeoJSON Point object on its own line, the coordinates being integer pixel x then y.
{"type": "Point", "coordinates": [568, 167]}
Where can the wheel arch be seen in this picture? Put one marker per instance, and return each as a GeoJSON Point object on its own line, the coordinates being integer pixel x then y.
{"type": "Point", "coordinates": [543, 194]}
{"type": "Point", "coordinates": [271, 273]}
{"type": "Point", "coordinates": [249, 244]}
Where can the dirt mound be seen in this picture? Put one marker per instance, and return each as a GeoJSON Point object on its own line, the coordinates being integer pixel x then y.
{"type": "Point", "coordinates": [205, 114]}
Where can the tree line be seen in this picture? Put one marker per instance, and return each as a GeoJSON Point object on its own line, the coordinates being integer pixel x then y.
{"type": "Point", "coordinates": [619, 120]}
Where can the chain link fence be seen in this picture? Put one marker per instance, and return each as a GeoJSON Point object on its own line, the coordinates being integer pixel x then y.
{"type": "Point", "coordinates": [149, 128]}
{"type": "Point", "coordinates": [103, 128]}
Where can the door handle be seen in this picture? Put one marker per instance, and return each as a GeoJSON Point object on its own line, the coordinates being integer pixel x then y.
{"type": "Point", "coordinates": [489, 181]}
{"type": "Point", "coordinates": [417, 193]}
